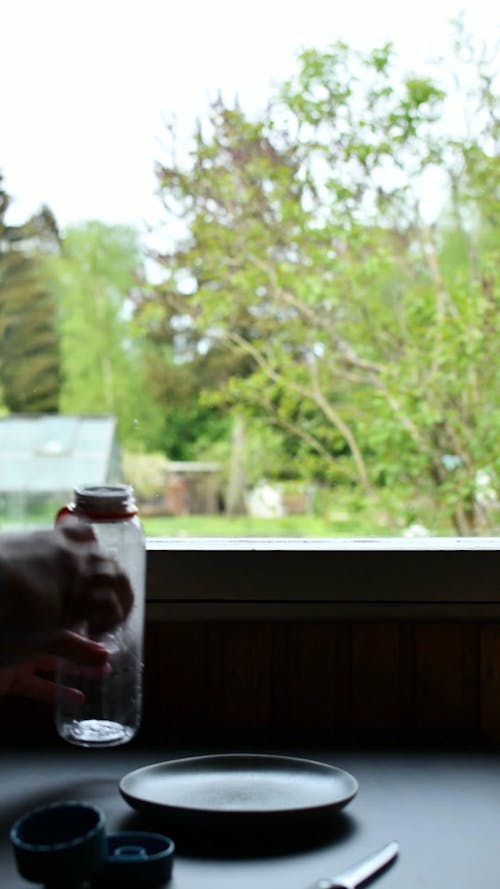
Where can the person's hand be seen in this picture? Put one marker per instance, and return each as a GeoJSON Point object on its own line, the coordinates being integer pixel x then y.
{"type": "Point", "coordinates": [51, 582]}
{"type": "Point", "coordinates": [25, 679]}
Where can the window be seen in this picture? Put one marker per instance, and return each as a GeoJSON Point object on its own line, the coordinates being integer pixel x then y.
{"type": "Point", "coordinates": [290, 309]}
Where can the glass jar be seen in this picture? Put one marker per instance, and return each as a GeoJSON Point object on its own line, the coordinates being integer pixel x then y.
{"type": "Point", "coordinates": [106, 709]}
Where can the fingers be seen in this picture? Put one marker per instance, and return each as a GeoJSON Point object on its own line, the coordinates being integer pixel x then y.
{"type": "Point", "coordinates": [75, 529]}
{"type": "Point", "coordinates": [108, 575]}
{"type": "Point", "coordinates": [46, 663]}
{"type": "Point", "coordinates": [106, 611]}
{"type": "Point", "coordinates": [29, 685]}
{"type": "Point", "coordinates": [105, 597]}
{"type": "Point", "coordinates": [73, 647]}
{"type": "Point", "coordinates": [45, 690]}
{"type": "Point", "coordinates": [100, 591]}
{"type": "Point", "coordinates": [24, 680]}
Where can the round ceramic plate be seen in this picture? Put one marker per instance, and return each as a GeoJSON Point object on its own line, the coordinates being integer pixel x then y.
{"type": "Point", "coordinates": [239, 789]}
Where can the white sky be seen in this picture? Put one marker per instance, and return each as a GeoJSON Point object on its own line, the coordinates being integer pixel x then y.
{"type": "Point", "coordinates": [85, 84]}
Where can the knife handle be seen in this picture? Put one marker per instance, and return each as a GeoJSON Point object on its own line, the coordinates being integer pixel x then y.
{"type": "Point", "coordinates": [369, 866]}
{"type": "Point", "coordinates": [358, 873]}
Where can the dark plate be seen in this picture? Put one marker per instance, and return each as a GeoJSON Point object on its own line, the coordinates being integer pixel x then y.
{"type": "Point", "coordinates": [239, 790]}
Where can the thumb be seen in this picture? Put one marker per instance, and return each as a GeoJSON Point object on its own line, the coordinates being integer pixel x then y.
{"type": "Point", "coordinates": [75, 529]}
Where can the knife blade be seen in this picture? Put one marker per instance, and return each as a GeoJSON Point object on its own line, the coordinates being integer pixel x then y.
{"type": "Point", "coordinates": [362, 871]}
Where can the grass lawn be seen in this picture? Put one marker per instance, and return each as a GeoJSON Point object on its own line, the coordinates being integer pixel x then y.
{"type": "Point", "coordinates": [345, 514]}
{"type": "Point", "coordinates": [288, 526]}
{"type": "Point", "coordinates": [245, 526]}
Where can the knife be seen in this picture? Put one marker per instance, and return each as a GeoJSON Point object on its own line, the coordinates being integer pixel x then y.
{"type": "Point", "coordinates": [360, 872]}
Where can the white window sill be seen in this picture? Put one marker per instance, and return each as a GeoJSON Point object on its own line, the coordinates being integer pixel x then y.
{"type": "Point", "coordinates": [312, 579]}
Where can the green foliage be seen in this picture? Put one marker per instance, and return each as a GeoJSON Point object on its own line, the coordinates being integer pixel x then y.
{"type": "Point", "coordinates": [146, 473]}
{"type": "Point", "coordinates": [263, 454]}
{"type": "Point", "coordinates": [98, 274]}
{"type": "Point", "coordinates": [190, 422]}
{"type": "Point", "coordinates": [366, 336]}
{"type": "Point", "coordinates": [29, 348]}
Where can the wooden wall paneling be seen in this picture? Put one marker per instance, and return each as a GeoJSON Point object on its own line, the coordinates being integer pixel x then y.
{"type": "Point", "coordinates": [311, 675]}
{"type": "Point", "coordinates": [490, 682]}
{"type": "Point", "coordinates": [376, 674]}
{"type": "Point", "coordinates": [447, 674]}
{"type": "Point", "coordinates": [292, 678]}
{"type": "Point", "coordinates": [407, 674]}
{"type": "Point", "coordinates": [175, 676]}
{"type": "Point", "coordinates": [238, 669]}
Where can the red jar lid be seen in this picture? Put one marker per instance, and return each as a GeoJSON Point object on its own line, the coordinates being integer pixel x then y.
{"type": "Point", "coordinates": [102, 502]}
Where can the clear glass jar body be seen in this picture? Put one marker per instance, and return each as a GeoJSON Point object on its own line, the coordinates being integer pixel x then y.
{"type": "Point", "coordinates": [106, 709]}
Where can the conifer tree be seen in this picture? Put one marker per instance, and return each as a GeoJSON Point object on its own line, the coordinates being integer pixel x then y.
{"type": "Point", "coordinates": [29, 350]}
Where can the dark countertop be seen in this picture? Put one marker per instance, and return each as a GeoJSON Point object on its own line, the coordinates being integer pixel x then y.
{"type": "Point", "coordinates": [442, 806]}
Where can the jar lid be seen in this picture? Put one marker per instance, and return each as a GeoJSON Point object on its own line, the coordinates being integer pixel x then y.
{"type": "Point", "coordinates": [105, 500]}
{"type": "Point", "coordinates": [135, 860]}
{"type": "Point", "coordinates": [63, 845]}
{"type": "Point", "coordinates": [60, 844]}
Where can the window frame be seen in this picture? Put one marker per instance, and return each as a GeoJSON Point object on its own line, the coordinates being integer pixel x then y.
{"type": "Point", "coordinates": [191, 579]}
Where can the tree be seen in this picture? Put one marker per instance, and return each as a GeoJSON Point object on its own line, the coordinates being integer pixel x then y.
{"type": "Point", "coordinates": [29, 349]}
{"type": "Point", "coordinates": [98, 274]}
{"type": "Point", "coordinates": [360, 327]}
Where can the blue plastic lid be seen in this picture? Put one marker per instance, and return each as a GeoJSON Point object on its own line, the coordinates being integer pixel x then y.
{"type": "Point", "coordinates": [136, 860]}
{"type": "Point", "coordinates": [60, 844]}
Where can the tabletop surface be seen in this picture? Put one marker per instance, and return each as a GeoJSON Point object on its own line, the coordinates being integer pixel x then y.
{"type": "Point", "coordinates": [443, 807]}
